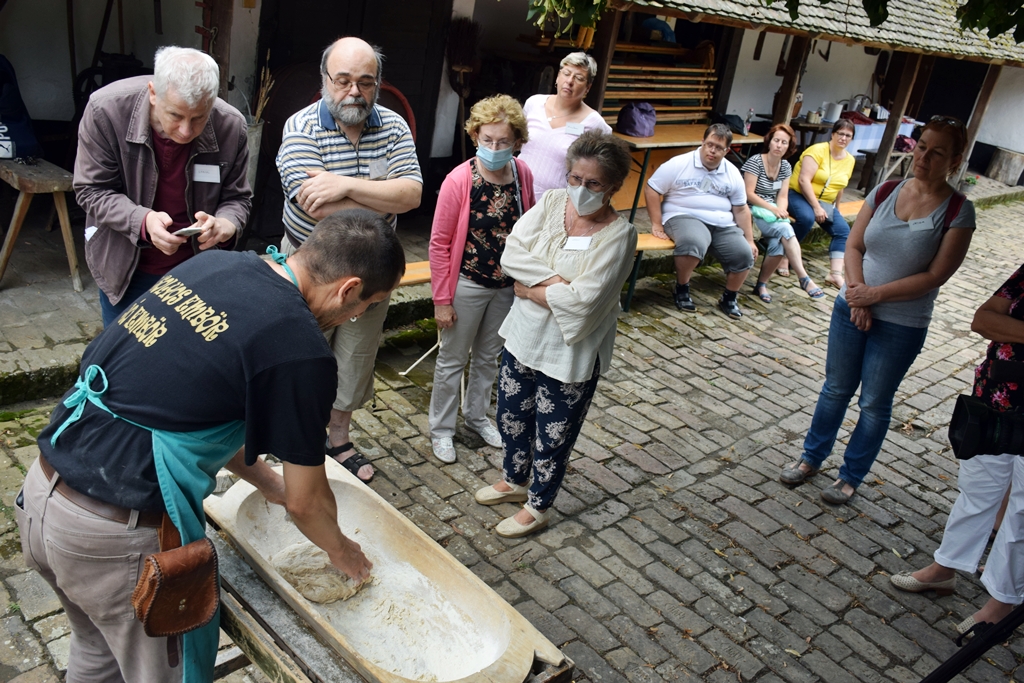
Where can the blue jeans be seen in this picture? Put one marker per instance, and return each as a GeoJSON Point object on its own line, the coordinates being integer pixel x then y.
{"type": "Point", "coordinates": [876, 360]}
{"type": "Point", "coordinates": [773, 234]}
{"type": "Point", "coordinates": [539, 419]}
{"type": "Point", "coordinates": [803, 216]}
{"type": "Point", "coordinates": [140, 283]}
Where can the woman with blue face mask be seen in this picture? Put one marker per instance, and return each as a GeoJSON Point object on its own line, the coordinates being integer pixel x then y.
{"type": "Point", "coordinates": [569, 256]}
{"type": "Point", "coordinates": [477, 206]}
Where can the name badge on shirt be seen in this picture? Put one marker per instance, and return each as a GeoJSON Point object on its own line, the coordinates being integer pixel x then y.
{"type": "Point", "coordinates": [919, 224]}
{"type": "Point", "coordinates": [206, 173]}
{"type": "Point", "coordinates": [705, 184]}
{"type": "Point", "coordinates": [578, 243]}
{"type": "Point", "coordinates": [378, 168]}
{"type": "Point", "coordinates": [777, 185]}
{"type": "Point", "coordinates": [574, 128]}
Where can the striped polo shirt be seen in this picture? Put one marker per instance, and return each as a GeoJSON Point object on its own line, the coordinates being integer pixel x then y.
{"type": "Point", "coordinates": [312, 139]}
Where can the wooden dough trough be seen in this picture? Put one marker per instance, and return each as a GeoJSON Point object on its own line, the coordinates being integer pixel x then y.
{"type": "Point", "coordinates": [425, 617]}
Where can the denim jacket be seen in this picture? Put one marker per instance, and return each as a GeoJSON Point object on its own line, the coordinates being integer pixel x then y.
{"type": "Point", "coordinates": [116, 177]}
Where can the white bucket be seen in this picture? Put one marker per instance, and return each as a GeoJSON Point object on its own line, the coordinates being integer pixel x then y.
{"type": "Point", "coordinates": [832, 112]}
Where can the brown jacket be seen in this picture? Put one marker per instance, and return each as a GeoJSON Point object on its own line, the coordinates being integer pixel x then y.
{"type": "Point", "coordinates": [116, 177]}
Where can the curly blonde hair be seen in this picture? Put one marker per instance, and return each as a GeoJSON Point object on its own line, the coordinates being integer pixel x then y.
{"type": "Point", "coordinates": [498, 109]}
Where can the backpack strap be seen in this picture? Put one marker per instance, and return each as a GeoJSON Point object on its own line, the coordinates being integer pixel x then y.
{"type": "Point", "coordinates": [884, 190]}
{"type": "Point", "coordinates": [956, 202]}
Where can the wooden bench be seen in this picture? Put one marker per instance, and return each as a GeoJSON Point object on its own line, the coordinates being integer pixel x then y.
{"type": "Point", "coordinates": [39, 177]}
{"type": "Point", "coordinates": [648, 242]}
{"type": "Point", "coordinates": [416, 273]}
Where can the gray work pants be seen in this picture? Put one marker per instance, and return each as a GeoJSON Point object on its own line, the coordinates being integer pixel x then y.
{"type": "Point", "coordinates": [479, 313]}
{"type": "Point", "coordinates": [93, 564]}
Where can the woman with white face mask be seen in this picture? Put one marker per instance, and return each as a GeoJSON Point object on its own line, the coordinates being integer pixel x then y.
{"type": "Point", "coordinates": [477, 206]}
{"type": "Point", "coordinates": [569, 256]}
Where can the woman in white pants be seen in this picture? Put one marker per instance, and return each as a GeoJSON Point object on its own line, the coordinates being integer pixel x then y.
{"type": "Point", "coordinates": [477, 206]}
{"type": "Point", "coordinates": [985, 479]}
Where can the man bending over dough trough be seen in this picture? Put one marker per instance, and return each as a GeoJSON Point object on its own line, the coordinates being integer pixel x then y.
{"type": "Point", "coordinates": [225, 350]}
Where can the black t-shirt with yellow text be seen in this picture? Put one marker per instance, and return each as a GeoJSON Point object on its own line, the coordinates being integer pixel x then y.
{"type": "Point", "coordinates": [221, 337]}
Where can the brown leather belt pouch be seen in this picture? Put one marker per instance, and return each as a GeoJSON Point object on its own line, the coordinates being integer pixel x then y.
{"type": "Point", "coordinates": [179, 590]}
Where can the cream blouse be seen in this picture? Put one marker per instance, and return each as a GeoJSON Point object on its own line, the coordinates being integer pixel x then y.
{"type": "Point", "coordinates": [565, 341]}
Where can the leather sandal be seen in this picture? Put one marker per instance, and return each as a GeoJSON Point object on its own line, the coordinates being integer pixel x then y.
{"type": "Point", "coordinates": [511, 528]}
{"type": "Point", "coordinates": [792, 475]}
{"type": "Point", "coordinates": [812, 291]}
{"type": "Point", "coordinates": [833, 495]}
{"type": "Point", "coordinates": [761, 290]}
{"type": "Point", "coordinates": [353, 462]}
{"type": "Point", "coordinates": [832, 282]}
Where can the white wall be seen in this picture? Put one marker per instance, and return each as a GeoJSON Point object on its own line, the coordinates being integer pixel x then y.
{"type": "Point", "coordinates": [245, 28]}
{"type": "Point", "coordinates": [1001, 125]}
{"type": "Point", "coordinates": [34, 37]}
{"type": "Point", "coordinates": [847, 73]}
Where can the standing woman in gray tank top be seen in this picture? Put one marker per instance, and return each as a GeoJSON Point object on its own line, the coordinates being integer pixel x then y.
{"type": "Point", "coordinates": [909, 238]}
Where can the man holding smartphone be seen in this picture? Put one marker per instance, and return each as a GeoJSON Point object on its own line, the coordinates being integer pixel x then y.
{"type": "Point", "coordinates": [158, 155]}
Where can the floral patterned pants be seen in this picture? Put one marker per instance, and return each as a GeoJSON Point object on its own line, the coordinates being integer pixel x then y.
{"type": "Point", "coordinates": [539, 419]}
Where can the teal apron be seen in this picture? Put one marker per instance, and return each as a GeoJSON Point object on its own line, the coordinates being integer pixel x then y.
{"type": "Point", "coordinates": [186, 466]}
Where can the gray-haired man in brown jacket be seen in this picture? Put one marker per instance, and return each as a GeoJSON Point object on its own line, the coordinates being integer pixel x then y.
{"type": "Point", "coordinates": [157, 155]}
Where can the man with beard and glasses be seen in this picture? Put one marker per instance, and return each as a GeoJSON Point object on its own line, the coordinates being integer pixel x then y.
{"type": "Point", "coordinates": [347, 151]}
{"type": "Point", "coordinates": [225, 350]}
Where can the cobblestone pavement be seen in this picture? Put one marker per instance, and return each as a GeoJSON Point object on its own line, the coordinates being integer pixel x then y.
{"type": "Point", "coordinates": [674, 553]}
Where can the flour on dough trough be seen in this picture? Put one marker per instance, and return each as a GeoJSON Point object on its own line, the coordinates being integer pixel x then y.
{"type": "Point", "coordinates": [306, 567]}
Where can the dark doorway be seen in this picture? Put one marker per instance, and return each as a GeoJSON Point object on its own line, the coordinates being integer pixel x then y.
{"type": "Point", "coordinates": [411, 35]}
{"type": "Point", "coordinates": [953, 89]}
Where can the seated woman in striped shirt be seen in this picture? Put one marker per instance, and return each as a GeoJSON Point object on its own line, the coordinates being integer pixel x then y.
{"type": "Point", "coordinates": [767, 180]}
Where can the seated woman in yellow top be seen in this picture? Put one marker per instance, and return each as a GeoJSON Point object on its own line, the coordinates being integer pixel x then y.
{"type": "Point", "coordinates": [818, 181]}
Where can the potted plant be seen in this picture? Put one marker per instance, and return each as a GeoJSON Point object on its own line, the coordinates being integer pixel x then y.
{"type": "Point", "coordinates": [582, 13]}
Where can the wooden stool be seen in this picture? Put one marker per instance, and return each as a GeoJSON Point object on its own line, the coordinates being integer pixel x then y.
{"type": "Point", "coordinates": [41, 177]}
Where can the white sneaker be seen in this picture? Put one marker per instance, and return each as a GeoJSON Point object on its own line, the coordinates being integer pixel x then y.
{"type": "Point", "coordinates": [491, 435]}
{"type": "Point", "coordinates": [444, 449]}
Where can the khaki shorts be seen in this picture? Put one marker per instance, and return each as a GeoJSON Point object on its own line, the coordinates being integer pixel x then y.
{"type": "Point", "coordinates": [355, 349]}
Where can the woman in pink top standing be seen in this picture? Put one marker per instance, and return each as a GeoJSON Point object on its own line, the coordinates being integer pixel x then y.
{"type": "Point", "coordinates": [477, 206]}
{"type": "Point", "coordinates": [555, 121]}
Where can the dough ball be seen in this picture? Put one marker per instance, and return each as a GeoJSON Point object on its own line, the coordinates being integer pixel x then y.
{"type": "Point", "coordinates": [306, 567]}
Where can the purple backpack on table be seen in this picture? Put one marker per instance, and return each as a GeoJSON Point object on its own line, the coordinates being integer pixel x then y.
{"type": "Point", "coordinates": [637, 120]}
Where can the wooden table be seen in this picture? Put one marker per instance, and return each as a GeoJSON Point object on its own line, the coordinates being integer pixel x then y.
{"type": "Point", "coordinates": [671, 136]}
{"type": "Point", "coordinates": [809, 130]}
{"type": "Point", "coordinates": [30, 179]}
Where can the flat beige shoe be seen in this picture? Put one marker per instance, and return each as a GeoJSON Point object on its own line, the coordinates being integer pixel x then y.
{"type": "Point", "coordinates": [510, 528]}
{"type": "Point", "coordinates": [488, 495]}
{"type": "Point", "coordinates": [905, 582]}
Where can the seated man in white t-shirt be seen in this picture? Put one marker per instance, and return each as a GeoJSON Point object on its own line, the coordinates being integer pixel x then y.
{"type": "Point", "coordinates": [701, 203]}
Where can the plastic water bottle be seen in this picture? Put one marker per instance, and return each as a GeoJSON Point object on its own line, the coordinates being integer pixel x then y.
{"type": "Point", "coordinates": [746, 124]}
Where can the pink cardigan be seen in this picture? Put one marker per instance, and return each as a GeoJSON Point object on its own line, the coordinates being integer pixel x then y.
{"type": "Point", "coordinates": [451, 226]}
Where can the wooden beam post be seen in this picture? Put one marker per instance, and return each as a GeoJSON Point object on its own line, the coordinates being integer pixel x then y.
{"type": "Point", "coordinates": [899, 106]}
{"type": "Point", "coordinates": [221, 19]}
{"type": "Point", "coordinates": [604, 47]}
{"type": "Point", "coordinates": [798, 50]}
{"type": "Point", "coordinates": [71, 40]}
{"type": "Point", "coordinates": [980, 105]}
